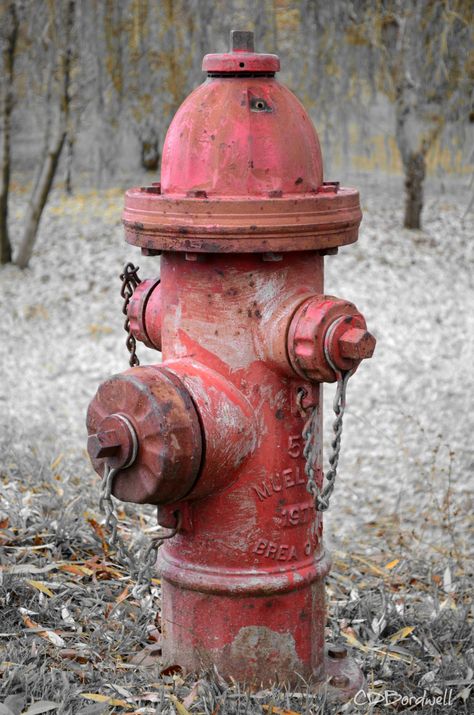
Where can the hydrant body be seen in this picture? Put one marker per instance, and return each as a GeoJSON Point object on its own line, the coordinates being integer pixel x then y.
{"type": "Point", "coordinates": [243, 580]}
{"type": "Point", "coordinates": [242, 220]}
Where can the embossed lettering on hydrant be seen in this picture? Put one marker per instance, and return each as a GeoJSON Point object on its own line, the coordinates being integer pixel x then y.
{"type": "Point", "coordinates": [279, 481]}
{"type": "Point", "coordinates": [278, 552]}
{"type": "Point", "coordinates": [295, 514]}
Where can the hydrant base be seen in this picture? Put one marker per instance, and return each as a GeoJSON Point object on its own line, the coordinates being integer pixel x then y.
{"type": "Point", "coordinates": [254, 639]}
{"type": "Point", "coordinates": [197, 636]}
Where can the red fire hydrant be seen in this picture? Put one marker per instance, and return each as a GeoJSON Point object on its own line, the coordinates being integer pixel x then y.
{"type": "Point", "coordinates": [225, 434]}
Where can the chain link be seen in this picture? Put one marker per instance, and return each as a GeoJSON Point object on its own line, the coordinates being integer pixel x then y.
{"type": "Point", "coordinates": [146, 560]}
{"type": "Point", "coordinates": [111, 521]}
{"type": "Point", "coordinates": [130, 280]}
{"type": "Point", "coordinates": [311, 444]}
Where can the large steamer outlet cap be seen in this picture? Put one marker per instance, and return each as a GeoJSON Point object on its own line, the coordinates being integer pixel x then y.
{"type": "Point", "coordinates": [242, 58]}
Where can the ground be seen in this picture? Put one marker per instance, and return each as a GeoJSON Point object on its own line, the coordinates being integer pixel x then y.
{"type": "Point", "coordinates": [76, 636]}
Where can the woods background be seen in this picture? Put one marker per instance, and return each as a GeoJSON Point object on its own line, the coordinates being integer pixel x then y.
{"type": "Point", "coordinates": [89, 86]}
{"type": "Point", "coordinates": [87, 90]}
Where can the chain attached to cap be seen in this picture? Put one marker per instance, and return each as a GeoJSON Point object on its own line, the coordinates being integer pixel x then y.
{"type": "Point", "coordinates": [145, 560]}
{"type": "Point", "coordinates": [311, 446]}
{"type": "Point", "coordinates": [130, 280]}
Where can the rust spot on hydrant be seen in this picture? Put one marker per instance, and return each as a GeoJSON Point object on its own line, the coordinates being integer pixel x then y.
{"type": "Point", "coordinates": [213, 434]}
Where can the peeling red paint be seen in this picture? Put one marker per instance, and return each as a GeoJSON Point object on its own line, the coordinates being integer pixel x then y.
{"type": "Point", "coordinates": [243, 219]}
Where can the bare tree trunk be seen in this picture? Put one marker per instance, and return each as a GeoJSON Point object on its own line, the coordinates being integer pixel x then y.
{"type": "Point", "coordinates": [38, 200]}
{"type": "Point", "coordinates": [150, 148]}
{"type": "Point", "coordinates": [51, 157]}
{"type": "Point", "coordinates": [415, 171]}
{"type": "Point", "coordinates": [8, 66]}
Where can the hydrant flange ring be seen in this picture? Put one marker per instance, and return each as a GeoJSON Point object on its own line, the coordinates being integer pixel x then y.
{"type": "Point", "coordinates": [222, 225]}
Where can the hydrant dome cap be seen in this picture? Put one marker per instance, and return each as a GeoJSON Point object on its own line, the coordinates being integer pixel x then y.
{"type": "Point", "coordinates": [241, 169]}
{"type": "Point", "coordinates": [241, 133]}
{"type": "Point", "coordinates": [241, 137]}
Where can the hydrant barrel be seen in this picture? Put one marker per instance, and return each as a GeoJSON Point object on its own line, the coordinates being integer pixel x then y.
{"type": "Point", "coordinates": [242, 219]}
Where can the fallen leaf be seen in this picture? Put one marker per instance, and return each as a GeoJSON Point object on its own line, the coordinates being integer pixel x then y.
{"type": "Point", "coordinates": [154, 634]}
{"type": "Point", "coordinates": [401, 634]}
{"type": "Point", "coordinates": [373, 567]}
{"type": "Point", "coordinates": [180, 708]}
{"type": "Point", "coordinates": [122, 691]}
{"type": "Point", "coordinates": [350, 637]}
{"type": "Point", "coordinates": [378, 624]}
{"type": "Point", "coordinates": [42, 706]}
{"type": "Point", "coordinates": [57, 462]}
{"type": "Point", "coordinates": [71, 654]}
{"type": "Point", "coordinates": [279, 711]}
{"type": "Point", "coordinates": [51, 636]}
{"type": "Point", "coordinates": [192, 695]}
{"type": "Point", "coordinates": [76, 569]}
{"type": "Point", "coordinates": [464, 693]}
{"type": "Point", "coordinates": [15, 703]}
{"type": "Point", "coordinates": [67, 617]}
{"type": "Point", "coordinates": [394, 652]}
{"type": "Point", "coordinates": [448, 602]}
{"type": "Point", "coordinates": [148, 656]}
{"type": "Point", "coordinates": [40, 586]}
{"type": "Point", "coordinates": [98, 698]}
{"type": "Point", "coordinates": [100, 533]}
{"type": "Point", "coordinates": [101, 570]}
{"type": "Point", "coordinates": [28, 568]}
{"type": "Point", "coordinates": [123, 595]}
{"type": "Point", "coordinates": [447, 581]}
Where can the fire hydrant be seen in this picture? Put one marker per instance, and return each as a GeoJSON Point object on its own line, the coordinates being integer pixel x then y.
{"type": "Point", "coordinates": [224, 436]}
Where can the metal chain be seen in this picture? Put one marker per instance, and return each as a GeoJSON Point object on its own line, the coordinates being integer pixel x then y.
{"type": "Point", "coordinates": [147, 559]}
{"type": "Point", "coordinates": [148, 562]}
{"type": "Point", "coordinates": [130, 280]}
{"type": "Point", "coordinates": [111, 521]}
{"type": "Point", "coordinates": [311, 444]}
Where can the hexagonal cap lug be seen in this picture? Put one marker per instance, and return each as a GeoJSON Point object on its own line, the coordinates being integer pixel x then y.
{"type": "Point", "coordinates": [357, 344]}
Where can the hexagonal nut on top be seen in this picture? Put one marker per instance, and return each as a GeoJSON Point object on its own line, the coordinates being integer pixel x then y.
{"type": "Point", "coordinates": [144, 423]}
{"type": "Point", "coordinates": [326, 335]}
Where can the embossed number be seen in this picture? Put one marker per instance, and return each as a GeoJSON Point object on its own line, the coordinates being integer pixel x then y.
{"type": "Point", "coordinates": [294, 445]}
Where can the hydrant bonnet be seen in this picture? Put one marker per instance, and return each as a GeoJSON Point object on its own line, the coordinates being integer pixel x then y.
{"type": "Point", "coordinates": [241, 171]}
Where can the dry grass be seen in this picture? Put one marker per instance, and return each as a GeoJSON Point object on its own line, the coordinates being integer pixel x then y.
{"type": "Point", "coordinates": [73, 635]}
{"type": "Point", "coordinates": [400, 592]}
